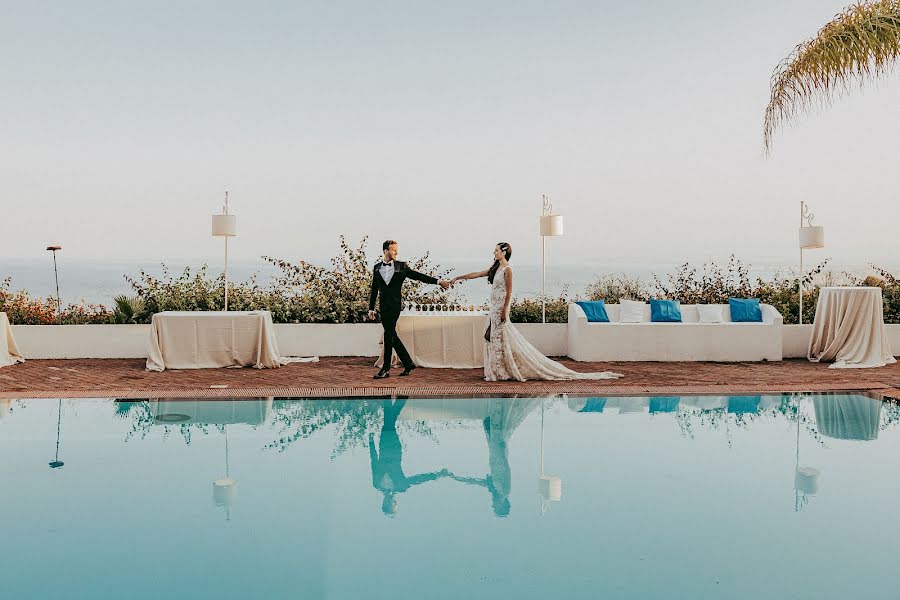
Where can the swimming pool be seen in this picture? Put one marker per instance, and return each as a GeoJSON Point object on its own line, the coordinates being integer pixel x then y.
{"type": "Point", "coordinates": [785, 496]}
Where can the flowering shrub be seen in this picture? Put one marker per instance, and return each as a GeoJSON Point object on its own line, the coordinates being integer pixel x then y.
{"type": "Point", "coordinates": [22, 309]}
{"type": "Point", "coordinates": [713, 284]}
{"type": "Point", "coordinates": [300, 293]}
{"type": "Point", "coordinates": [528, 310]}
{"type": "Point", "coordinates": [612, 288]}
{"type": "Point", "coordinates": [306, 293]}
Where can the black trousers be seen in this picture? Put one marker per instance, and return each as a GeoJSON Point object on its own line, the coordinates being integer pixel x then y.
{"type": "Point", "coordinates": [392, 342]}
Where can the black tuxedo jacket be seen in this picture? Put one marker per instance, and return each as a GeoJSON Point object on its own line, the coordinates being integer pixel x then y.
{"type": "Point", "coordinates": [391, 303]}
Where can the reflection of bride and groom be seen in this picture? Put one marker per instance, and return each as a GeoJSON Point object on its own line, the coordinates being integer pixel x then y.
{"type": "Point", "coordinates": [503, 417]}
{"type": "Point", "coordinates": [507, 354]}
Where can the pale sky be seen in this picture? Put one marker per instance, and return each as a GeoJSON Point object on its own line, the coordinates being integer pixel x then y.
{"type": "Point", "coordinates": [439, 124]}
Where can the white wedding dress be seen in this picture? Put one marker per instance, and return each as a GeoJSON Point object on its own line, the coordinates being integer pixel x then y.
{"type": "Point", "coordinates": [509, 356]}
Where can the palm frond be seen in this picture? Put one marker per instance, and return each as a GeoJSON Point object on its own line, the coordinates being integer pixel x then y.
{"type": "Point", "coordinates": [859, 44]}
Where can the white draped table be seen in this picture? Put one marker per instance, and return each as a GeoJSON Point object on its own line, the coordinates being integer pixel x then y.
{"type": "Point", "coordinates": [443, 341]}
{"type": "Point", "coordinates": [209, 340]}
{"type": "Point", "coordinates": [849, 329]}
{"type": "Point", "coordinates": [9, 352]}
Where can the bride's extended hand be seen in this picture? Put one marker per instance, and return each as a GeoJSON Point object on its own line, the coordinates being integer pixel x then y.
{"type": "Point", "coordinates": [455, 280]}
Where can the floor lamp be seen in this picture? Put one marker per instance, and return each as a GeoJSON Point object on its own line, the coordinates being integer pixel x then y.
{"type": "Point", "coordinates": [53, 249]}
{"type": "Point", "coordinates": [551, 226]}
{"type": "Point", "coordinates": [225, 225]}
{"type": "Point", "coordinates": [811, 237]}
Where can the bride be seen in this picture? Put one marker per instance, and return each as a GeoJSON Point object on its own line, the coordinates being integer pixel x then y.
{"type": "Point", "coordinates": [508, 355]}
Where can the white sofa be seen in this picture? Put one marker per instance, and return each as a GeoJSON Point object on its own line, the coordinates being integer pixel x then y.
{"type": "Point", "coordinates": [667, 342]}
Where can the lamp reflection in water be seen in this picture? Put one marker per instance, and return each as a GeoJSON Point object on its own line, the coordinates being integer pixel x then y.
{"type": "Point", "coordinates": [56, 463]}
{"type": "Point", "coordinates": [251, 411]}
{"type": "Point", "coordinates": [806, 479]}
{"type": "Point", "coordinates": [225, 488]}
{"type": "Point", "coordinates": [549, 486]}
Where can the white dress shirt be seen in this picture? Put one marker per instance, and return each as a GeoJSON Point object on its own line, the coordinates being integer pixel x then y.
{"type": "Point", "coordinates": [387, 271]}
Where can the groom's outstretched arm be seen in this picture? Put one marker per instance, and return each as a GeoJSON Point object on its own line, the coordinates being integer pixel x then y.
{"type": "Point", "coordinates": [373, 295]}
{"type": "Point", "coordinates": [413, 274]}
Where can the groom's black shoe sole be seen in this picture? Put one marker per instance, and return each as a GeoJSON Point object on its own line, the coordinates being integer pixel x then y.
{"type": "Point", "coordinates": [381, 375]}
{"type": "Point", "coordinates": [407, 371]}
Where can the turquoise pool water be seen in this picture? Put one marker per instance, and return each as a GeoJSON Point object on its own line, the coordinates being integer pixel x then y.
{"type": "Point", "coordinates": [565, 497]}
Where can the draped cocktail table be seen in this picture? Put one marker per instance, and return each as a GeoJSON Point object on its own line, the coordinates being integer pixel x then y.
{"type": "Point", "coordinates": [209, 340]}
{"type": "Point", "coordinates": [443, 341]}
{"type": "Point", "coordinates": [849, 329]}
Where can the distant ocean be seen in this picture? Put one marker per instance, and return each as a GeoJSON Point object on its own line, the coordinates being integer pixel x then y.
{"type": "Point", "coordinates": [99, 281]}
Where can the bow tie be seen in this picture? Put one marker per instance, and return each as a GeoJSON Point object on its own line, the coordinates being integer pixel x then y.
{"type": "Point", "coordinates": [390, 264]}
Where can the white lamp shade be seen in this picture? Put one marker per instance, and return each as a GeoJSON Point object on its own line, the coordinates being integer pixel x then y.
{"type": "Point", "coordinates": [224, 225]}
{"type": "Point", "coordinates": [550, 487]}
{"type": "Point", "coordinates": [806, 480]}
{"type": "Point", "coordinates": [224, 491]}
{"type": "Point", "coordinates": [551, 225]}
{"type": "Point", "coordinates": [812, 237]}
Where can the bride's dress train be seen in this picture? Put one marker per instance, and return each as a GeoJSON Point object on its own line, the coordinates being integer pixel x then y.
{"type": "Point", "coordinates": [509, 356]}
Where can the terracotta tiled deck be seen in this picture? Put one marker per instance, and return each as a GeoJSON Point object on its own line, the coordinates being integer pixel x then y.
{"type": "Point", "coordinates": [349, 377]}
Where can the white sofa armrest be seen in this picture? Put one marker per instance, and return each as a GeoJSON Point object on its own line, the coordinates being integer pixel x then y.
{"type": "Point", "coordinates": [576, 313]}
{"type": "Point", "coordinates": [770, 315]}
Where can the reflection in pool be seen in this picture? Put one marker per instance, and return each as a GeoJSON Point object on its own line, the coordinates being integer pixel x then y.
{"type": "Point", "coordinates": [575, 497]}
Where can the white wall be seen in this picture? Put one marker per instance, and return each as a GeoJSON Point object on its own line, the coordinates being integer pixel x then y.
{"type": "Point", "coordinates": [82, 341]}
{"type": "Point", "coordinates": [130, 341]}
{"type": "Point", "coordinates": [795, 340]}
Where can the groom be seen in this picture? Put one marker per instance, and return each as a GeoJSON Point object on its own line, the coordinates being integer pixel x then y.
{"type": "Point", "coordinates": [387, 280]}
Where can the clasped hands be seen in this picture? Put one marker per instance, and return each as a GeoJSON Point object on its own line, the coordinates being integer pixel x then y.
{"type": "Point", "coordinates": [447, 284]}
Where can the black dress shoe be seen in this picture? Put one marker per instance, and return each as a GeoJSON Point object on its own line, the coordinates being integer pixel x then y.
{"type": "Point", "coordinates": [381, 374]}
{"type": "Point", "coordinates": [407, 370]}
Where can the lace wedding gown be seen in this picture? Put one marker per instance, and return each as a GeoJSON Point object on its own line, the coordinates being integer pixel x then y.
{"type": "Point", "coordinates": [509, 355]}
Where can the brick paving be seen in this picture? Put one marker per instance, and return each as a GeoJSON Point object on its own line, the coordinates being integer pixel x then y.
{"type": "Point", "coordinates": [351, 377]}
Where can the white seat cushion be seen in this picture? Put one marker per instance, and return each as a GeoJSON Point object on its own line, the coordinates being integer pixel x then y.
{"type": "Point", "coordinates": [710, 313]}
{"type": "Point", "coordinates": [631, 311]}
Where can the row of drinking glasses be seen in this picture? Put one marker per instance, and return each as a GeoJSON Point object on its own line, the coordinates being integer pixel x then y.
{"type": "Point", "coordinates": [413, 307]}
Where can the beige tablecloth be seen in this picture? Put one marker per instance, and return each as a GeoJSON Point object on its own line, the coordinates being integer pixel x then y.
{"type": "Point", "coordinates": [453, 341]}
{"type": "Point", "coordinates": [849, 329]}
{"type": "Point", "coordinates": [209, 340]}
{"type": "Point", "coordinates": [9, 352]}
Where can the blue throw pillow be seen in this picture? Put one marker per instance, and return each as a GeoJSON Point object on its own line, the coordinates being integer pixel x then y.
{"type": "Point", "coordinates": [594, 405]}
{"type": "Point", "coordinates": [665, 311]}
{"type": "Point", "coordinates": [595, 311]}
{"type": "Point", "coordinates": [664, 404]}
{"type": "Point", "coordinates": [743, 405]}
{"type": "Point", "coordinates": [745, 310]}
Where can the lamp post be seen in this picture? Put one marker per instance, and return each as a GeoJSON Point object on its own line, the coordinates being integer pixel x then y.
{"type": "Point", "coordinates": [551, 226]}
{"type": "Point", "coordinates": [56, 276]}
{"type": "Point", "coordinates": [225, 225]}
{"type": "Point", "coordinates": [811, 237]}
